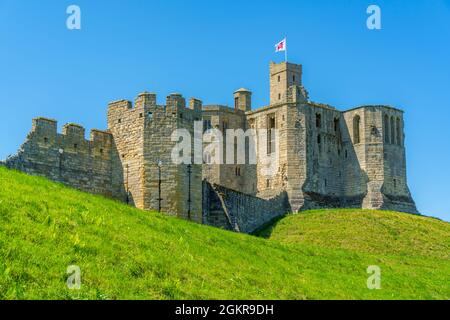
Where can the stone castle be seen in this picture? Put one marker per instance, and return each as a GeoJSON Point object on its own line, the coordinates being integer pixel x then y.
{"type": "Point", "coordinates": [327, 158]}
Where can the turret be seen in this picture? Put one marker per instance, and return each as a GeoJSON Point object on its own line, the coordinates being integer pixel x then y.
{"type": "Point", "coordinates": [243, 100]}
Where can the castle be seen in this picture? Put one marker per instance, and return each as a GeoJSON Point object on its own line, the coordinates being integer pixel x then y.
{"type": "Point", "coordinates": [326, 158]}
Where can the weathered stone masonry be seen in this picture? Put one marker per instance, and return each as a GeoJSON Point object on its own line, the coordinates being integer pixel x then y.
{"type": "Point", "coordinates": [327, 158]}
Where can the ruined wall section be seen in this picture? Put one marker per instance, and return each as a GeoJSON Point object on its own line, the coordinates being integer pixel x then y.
{"type": "Point", "coordinates": [237, 211]}
{"type": "Point", "coordinates": [87, 165]}
{"type": "Point", "coordinates": [323, 138]}
{"type": "Point", "coordinates": [270, 175]}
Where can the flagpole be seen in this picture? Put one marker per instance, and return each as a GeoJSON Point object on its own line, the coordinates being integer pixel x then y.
{"type": "Point", "coordinates": [285, 51]}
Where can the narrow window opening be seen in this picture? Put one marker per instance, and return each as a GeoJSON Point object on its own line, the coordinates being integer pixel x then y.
{"type": "Point", "coordinates": [386, 128]}
{"type": "Point", "coordinates": [399, 132]}
{"type": "Point", "coordinates": [356, 129]}
{"type": "Point", "coordinates": [392, 130]}
{"type": "Point", "coordinates": [336, 125]}
{"type": "Point", "coordinates": [271, 133]}
{"type": "Point", "coordinates": [318, 120]}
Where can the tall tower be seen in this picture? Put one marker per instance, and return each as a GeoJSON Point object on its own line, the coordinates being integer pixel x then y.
{"type": "Point", "coordinates": [282, 76]}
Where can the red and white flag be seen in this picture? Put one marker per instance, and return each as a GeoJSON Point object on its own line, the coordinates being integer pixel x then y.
{"type": "Point", "coordinates": [281, 46]}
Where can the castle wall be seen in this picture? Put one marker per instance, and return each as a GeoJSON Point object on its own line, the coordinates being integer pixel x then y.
{"type": "Point", "coordinates": [323, 184]}
{"type": "Point", "coordinates": [234, 175]}
{"type": "Point", "coordinates": [88, 165]}
{"type": "Point", "coordinates": [233, 210]}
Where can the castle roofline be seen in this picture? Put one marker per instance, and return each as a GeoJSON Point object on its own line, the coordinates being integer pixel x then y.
{"type": "Point", "coordinates": [320, 105]}
{"type": "Point", "coordinates": [45, 119]}
{"type": "Point", "coordinates": [375, 106]}
{"type": "Point", "coordinates": [222, 108]}
{"type": "Point", "coordinates": [242, 90]}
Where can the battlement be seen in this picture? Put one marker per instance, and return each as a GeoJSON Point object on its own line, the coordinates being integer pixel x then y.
{"type": "Point", "coordinates": [44, 125]}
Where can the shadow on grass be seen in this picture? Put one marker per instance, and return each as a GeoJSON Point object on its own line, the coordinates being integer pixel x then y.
{"type": "Point", "coordinates": [265, 231]}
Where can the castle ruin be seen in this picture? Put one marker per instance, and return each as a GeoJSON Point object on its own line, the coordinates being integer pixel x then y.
{"type": "Point", "coordinates": [326, 158]}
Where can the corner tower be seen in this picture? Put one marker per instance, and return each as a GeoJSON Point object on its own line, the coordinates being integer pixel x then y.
{"type": "Point", "coordinates": [282, 76]}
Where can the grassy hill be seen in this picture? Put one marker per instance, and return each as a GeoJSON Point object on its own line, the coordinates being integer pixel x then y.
{"type": "Point", "coordinates": [125, 253]}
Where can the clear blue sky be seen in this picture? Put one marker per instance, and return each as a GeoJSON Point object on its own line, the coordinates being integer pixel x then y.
{"type": "Point", "coordinates": [207, 49]}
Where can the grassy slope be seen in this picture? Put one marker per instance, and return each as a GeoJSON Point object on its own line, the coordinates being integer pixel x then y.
{"type": "Point", "coordinates": [125, 253]}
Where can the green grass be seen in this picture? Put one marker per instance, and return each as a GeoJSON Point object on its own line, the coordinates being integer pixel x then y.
{"type": "Point", "coordinates": [125, 253]}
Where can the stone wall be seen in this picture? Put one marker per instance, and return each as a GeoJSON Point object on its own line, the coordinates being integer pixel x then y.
{"type": "Point", "coordinates": [88, 165]}
{"type": "Point", "coordinates": [240, 212]}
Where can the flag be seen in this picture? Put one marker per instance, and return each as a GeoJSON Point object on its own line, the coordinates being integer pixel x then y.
{"type": "Point", "coordinates": [281, 46]}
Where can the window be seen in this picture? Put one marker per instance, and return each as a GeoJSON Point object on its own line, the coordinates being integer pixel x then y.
{"type": "Point", "coordinates": [267, 183]}
{"type": "Point", "coordinates": [319, 139]}
{"type": "Point", "coordinates": [119, 121]}
{"type": "Point", "coordinates": [149, 116]}
{"type": "Point", "coordinates": [336, 125]}
{"type": "Point", "coordinates": [279, 79]}
{"type": "Point", "coordinates": [399, 132]}
{"type": "Point", "coordinates": [238, 171]}
{"type": "Point", "coordinates": [207, 125]}
{"type": "Point", "coordinates": [271, 135]}
{"type": "Point", "coordinates": [181, 116]}
{"type": "Point", "coordinates": [279, 96]}
{"type": "Point", "coordinates": [318, 120]}
{"type": "Point", "coordinates": [45, 140]}
{"type": "Point", "coordinates": [293, 78]}
{"type": "Point", "coordinates": [75, 146]}
{"type": "Point", "coordinates": [392, 130]}
{"type": "Point", "coordinates": [356, 129]}
{"type": "Point", "coordinates": [101, 151]}
{"type": "Point", "coordinates": [236, 103]}
{"type": "Point", "coordinates": [386, 128]}
{"type": "Point", "coordinates": [346, 154]}
{"type": "Point", "coordinates": [140, 115]}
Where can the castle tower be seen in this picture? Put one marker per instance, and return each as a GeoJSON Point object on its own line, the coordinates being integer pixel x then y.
{"type": "Point", "coordinates": [282, 76]}
{"type": "Point", "coordinates": [143, 137]}
{"type": "Point", "coordinates": [375, 143]}
{"type": "Point", "coordinates": [243, 100]}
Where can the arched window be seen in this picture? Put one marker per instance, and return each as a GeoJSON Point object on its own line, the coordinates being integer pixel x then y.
{"type": "Point", "coordinates": [399, 132]}
{"type": "Point", "coordinates": [386, 128]}
{"type": "Point", "coordinates": [356, 129]}
{"type": "Point", "coordinates": [392, 130]}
